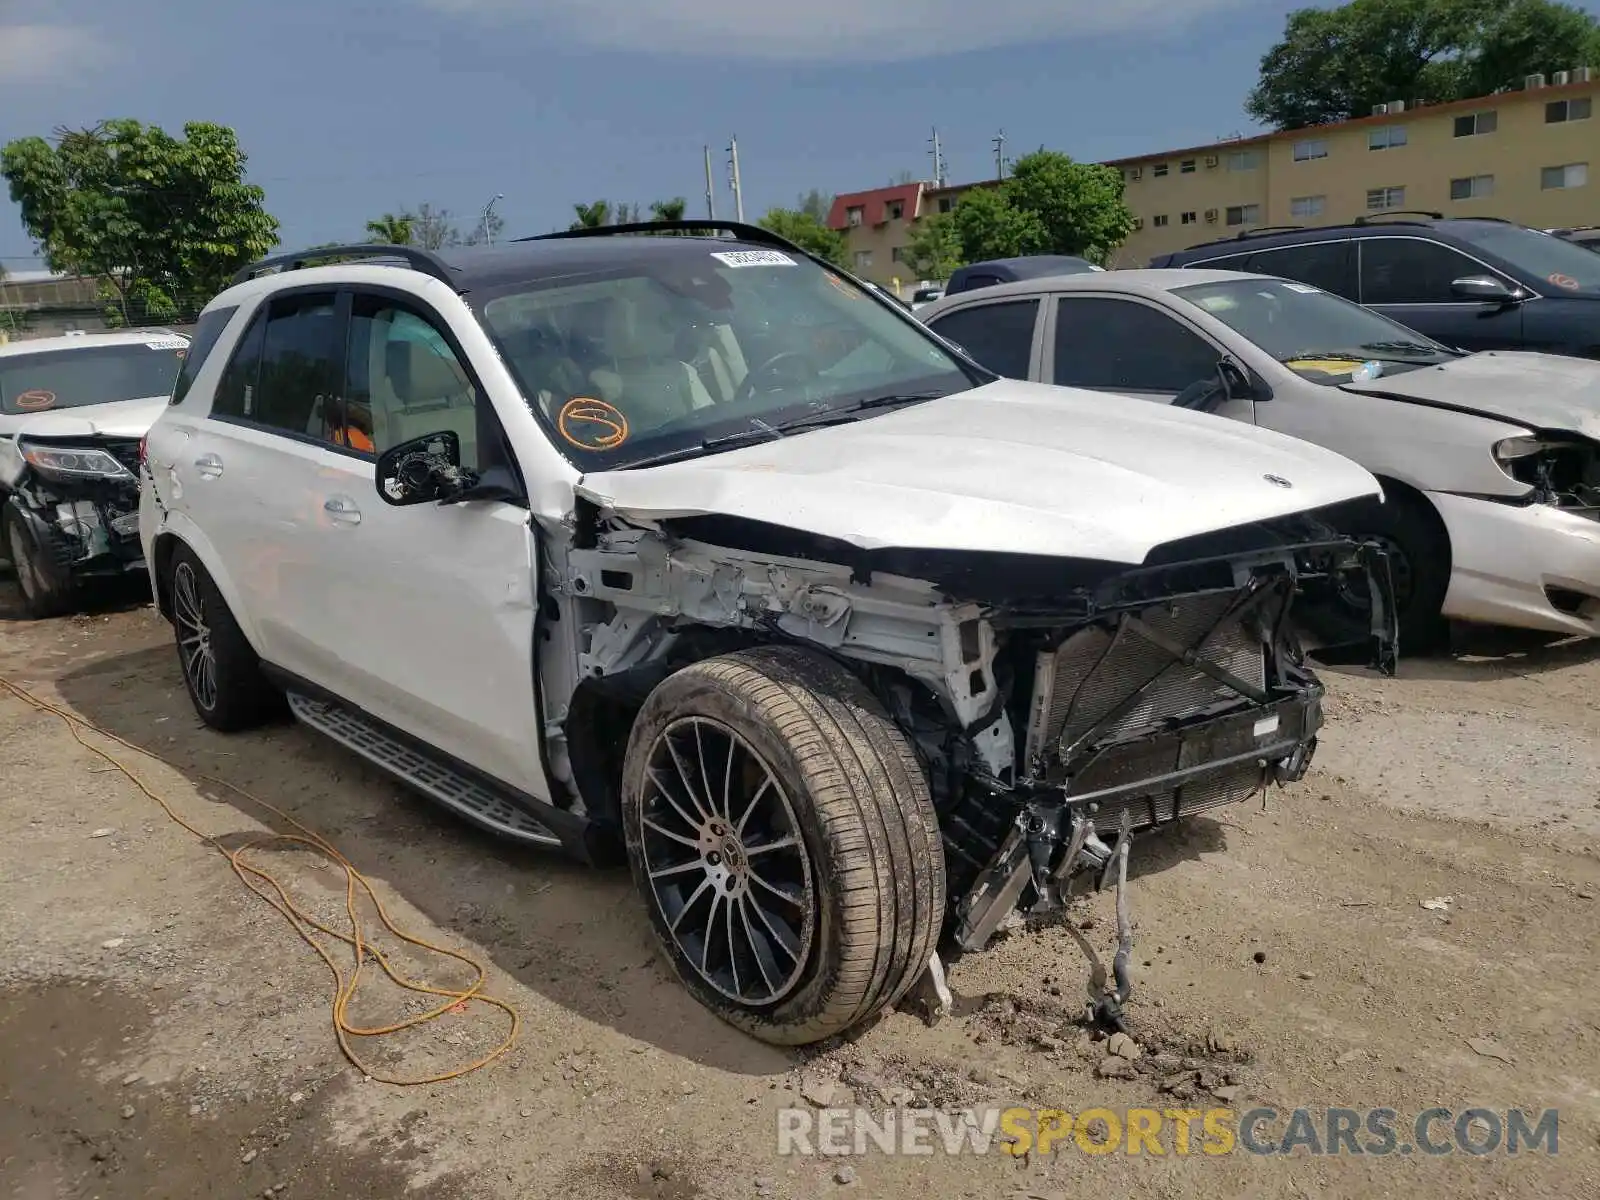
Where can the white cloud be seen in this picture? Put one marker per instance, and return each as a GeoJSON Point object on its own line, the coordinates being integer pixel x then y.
{"type": "Point", "coordinates": [855, 31]}
{"type": "Point", "coordinates": [46, 54]}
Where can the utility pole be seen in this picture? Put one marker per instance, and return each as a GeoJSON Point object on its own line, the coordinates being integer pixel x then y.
{"type": "Point", "coordinates": [733, 179]}
{"type": "Point", "coordinates": [711, 189]}
{"type": "Point", "coordinates": [1000, 155]}
{"type": "Point", "coordinates": [938, 161]}
{"type": "Point", "coordinates": [488, 210]}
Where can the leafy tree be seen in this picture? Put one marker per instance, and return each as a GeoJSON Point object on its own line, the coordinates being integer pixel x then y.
{"type": "Point", "coordinates": [626, 214]}
{"type": "Point", "coordinates": [807, 232]}
{"type": "Point", "coordinates": [591, 216]}
{"type": "Point", "coordinates": [669, 210]}
{"type": "Point", "coordinates": [165, 221]}
{"type": "Point", "coordinates": [1336, 64]}
{"type": "Point", "coordinates": [934, 249]}
{"type": "Point", "coordinates": [815, 205]}
{"type": "Point", "coordinates": [1049, 205]}
{"type": "Point", "coordinates": [391, 229]}
{"type": "Point", "coordinates": [489, 230]}
{"type": "Point", "coordinates": [989, 226]}
{"type": "Point", "coordinates": [434, 228]}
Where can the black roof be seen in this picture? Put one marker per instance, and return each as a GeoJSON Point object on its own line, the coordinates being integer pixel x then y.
{"type": "Point", "coordinates": [575, 252]}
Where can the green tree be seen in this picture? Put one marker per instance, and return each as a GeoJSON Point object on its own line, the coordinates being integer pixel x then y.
{"type": "Point", "coordinates": [934, 249]}
{"type": "Point", "coordinates": [988, 225]}
{"type": "Point", "coordinates": [626, 214]}
{"type": "Point", "coordinates": [165, 221]}
{"type": "Point", "coordinates": [1337, 64]}
{"type": "Point", "coordinates": [1079, 206]}
{"type": "Point", "coordinates": [434, 228]}
{"type": "Point", "coordinates": [816, 205]}
{"type": "Point", "coordinates": [392, 229]}
{"type": "Point", "coordinates": [807, 232]}
{"type": "Point", "coordinates": [591, 216]}
{"type": "Point", "coordinates": [669, 210]}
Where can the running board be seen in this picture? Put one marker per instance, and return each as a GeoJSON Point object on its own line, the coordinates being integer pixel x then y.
{"type": "Point", "coordinates": [465, 797]}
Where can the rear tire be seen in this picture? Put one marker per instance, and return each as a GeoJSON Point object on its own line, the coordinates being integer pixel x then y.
{"type": "Point", "coordinates": [1418, 545]}
{"type": "Point", "coordinates": [220, 668]}
{"type": "Point", "coordinates": [795, 880]}
{"type": "Point", "coordinates": [46, 587]}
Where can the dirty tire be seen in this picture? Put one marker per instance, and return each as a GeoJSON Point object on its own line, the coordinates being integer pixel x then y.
{"type": "Point", "coordinates": [46, 588]}
{"type": "Point", "coordinates": [866, 821]}
{"type": "Point", "coordinates": [237, 695]}
{"type": "Point", "coordinates": [1407, 524]}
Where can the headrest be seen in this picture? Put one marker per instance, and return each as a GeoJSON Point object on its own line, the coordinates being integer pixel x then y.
{"type": "Point", "coordinates": [419, 374]}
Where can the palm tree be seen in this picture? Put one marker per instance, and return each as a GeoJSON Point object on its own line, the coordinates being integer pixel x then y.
{"type": "Point", "coordinates": [669, 210]}
{"type": "Point", "coordinates": [591, 216]}
{"type": "Point", "coordinates": [391, 230]}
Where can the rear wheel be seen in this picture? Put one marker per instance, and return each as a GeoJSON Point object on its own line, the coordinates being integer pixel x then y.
{"type": "Point", "coordinates": [46, 586]}
{"type": "Point", "coordinates": [781, 832]}
{"type": "Point", "coordinates": [220, 669]}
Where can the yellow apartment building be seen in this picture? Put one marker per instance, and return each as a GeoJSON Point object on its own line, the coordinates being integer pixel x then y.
{"type": "Point", "coordinates": [1526, 155]}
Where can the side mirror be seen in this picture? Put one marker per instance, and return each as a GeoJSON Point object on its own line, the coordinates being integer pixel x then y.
{"type": "Point", "coordinates": [1486, 289]}
{"type": "Point", "coordinates": [1237, 384]}
{"type": "Point", "coordinates": [423, 469]}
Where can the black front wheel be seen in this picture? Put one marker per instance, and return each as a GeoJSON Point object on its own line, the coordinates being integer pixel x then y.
{"type": "Point", "coordinates": [220, 669]}
{"type": "Point", "coordinates": [46, 586]}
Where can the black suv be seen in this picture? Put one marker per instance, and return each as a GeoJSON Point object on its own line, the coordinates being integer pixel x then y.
{"type": "Point", "coordinates": [1479, 283]}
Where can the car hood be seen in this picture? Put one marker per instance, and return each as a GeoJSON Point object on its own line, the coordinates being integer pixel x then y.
{"type": "Point", "coordinates": [1010, 467]}
{"type": "Point", "coordinates": [124, 419]}
{"type": "Point", "coordinates": [1542, 391]}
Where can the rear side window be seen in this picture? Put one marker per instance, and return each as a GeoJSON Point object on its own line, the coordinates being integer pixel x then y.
{"type": "Point", "coordinates": [206, 332]}
{"type": "Point", "coordinates": [285, 372]}
{"type": "Point", "coordinates": [1000, 336]}
{"type": "Point", "coordinates": [1411, 271]}
{"type": "Point", "coordinates": [1123, 345]}
{"type": "Point", "coordinates": [1325, 265]}
{"type": "Point", "coordinates": [1234, 262]}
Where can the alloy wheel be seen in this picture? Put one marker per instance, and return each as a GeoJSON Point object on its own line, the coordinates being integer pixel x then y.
{"type": "Point", "coordinates": [194, 637]}
{"type": "Point", "coordinates": [726, 861]}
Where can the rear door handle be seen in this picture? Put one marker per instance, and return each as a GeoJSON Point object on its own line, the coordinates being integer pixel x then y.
{"type": "Point", "coordinates": [209, 466]}
{"type": "Point", "coordinates": [342, 509]}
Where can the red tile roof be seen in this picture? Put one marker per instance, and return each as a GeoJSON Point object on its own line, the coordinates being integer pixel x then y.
{"type": "Point", "coordinates": [875, 204]}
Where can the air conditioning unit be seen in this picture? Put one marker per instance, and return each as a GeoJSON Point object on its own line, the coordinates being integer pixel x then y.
{"type": "Point", "coordinates": [1397, 106]}
{"type": "Point", "coordinates": [1582, 74]}
{"type": "Point", "coordinates": [1135, 174]}
{"type": "Point", "coordinates": [1533, 81]}
{"type": "Point", "coordinates": [1379, 109]}
{"type": "Point", "coordinates": [1138, 224]}
{"type": "Point", "coordinates": [1561, 79]}
{"type": "Point", "coordinates": [1211, 216]}
{"type": "Point", "coordinates": [1211, 160]}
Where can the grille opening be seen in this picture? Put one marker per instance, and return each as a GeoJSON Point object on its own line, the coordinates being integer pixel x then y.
{"type": "Point", "coordinates": [1568, 601]}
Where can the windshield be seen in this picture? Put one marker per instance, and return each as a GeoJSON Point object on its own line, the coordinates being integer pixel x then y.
{"type": "Point", "coordinates": [1314, 333]}
{"type": "Point", "coordinates": [695, 350]}
{"type": "Point", "coordinates": [56, 379]}
{"type": "Point", "coordinates": [1569, 267]}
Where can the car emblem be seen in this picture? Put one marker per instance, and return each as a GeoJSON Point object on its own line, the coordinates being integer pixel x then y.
{"type": "Point", "coordinates": [1277, 481]}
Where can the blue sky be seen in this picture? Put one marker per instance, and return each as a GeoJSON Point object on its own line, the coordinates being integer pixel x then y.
{"type": "Point", "coordinates": [349, 108]}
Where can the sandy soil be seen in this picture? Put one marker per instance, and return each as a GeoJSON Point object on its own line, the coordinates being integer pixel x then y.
{"type": "Point", "coordinates": [164, 1033]}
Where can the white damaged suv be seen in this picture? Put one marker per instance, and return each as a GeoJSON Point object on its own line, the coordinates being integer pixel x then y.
{"type": "Point", "coordinates": [673, 542]}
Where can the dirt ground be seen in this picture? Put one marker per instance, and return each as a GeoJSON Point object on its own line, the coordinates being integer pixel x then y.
{"type": "Point", "coordinates": [164, 1033]}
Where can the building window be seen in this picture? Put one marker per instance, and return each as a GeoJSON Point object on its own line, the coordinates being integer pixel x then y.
{"type": "Point", "coordinates": [1577, 109]}
{"type": "Point", "coordinates": [946, 204]}
{"type": "Point", "coordinates": [1474, 124]}
{"type": "Point", "coordinates": [1187, 218]}
{"type": "Point", "coordinates": [1186, 167]}
{"type": "Point", "coordinates": [1159, 220]}
{"type": "Point", "coordinates": [1244, 214]}
{"type": "Point", "coordinates": [1570, 175]}
{"type": "Point", "coordinates": [898, 254]}
{"type": "Point", "coordinates": [1309, 149]}
{"type": "Point", "coordinates": [1244, 160]}
{"type": "Point", "coordinates": [863, 259]}
{"type": "Point", "coordinates": [1379, 199]}
{"type": "Point", "coordinates": [1307, 206]}
{"type": "Point", "coordinates": [1473, 187]}
{"type": "Point", "coordinates": [1386, 137]}
{"type": "Point", "coordinates": [896, 209]}
{"type": "Point", "coordinates": [853, 215]}
{"type": "Point", "coordinates": [1159, 170]}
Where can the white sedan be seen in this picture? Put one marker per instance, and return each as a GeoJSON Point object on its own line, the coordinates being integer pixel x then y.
{"type": "Point", "coordinates": [1490, 462]}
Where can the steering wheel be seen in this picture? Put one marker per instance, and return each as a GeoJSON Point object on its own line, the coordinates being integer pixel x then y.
{"type": "Point", "coordinates": [747, 386]}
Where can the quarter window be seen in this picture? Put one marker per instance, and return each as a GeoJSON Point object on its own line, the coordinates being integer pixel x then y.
{"type": "Point", "coordinates": [1000, 336]}
{"type": "Point", "coordinates": [1411, 271]}
{"type": "Point", "coordinates": [206, 332]}
{"type": "Point", "coordinates": [1103, 342]}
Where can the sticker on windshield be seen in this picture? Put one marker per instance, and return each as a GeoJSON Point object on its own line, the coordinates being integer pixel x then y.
{"type": "Point", "coordinates": [1304, 288]}
{"type": "Point", "coordinates": [753, 258]}
{"type": "Point", "coordinates": [1563, 281]}
{"type": "Point", "coordinates": [592, 424]}
{"type": "Point", "coordinates": [166, 344]}
{"type": "Point", "coordinates": [35, 399]}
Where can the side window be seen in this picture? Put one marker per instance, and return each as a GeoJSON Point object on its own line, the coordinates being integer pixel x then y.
{"type": "Point", "coordinates": [403, 381]}
{"type": "Point", "coordinates": [1000, 336]}
{"type": "Point", "coordinates": [1117, 344]}
{"type": "Point", "coordinates": [284, 373]}
{"type": "Point", "coordinates": [1410, 271]}
{"type": "Point", "coordinates": [236, 390]}
{"type": "Point", "coordinates": [1233, 262]}
{"type": "Point", "coordinates": [1326, 265]}
{"type": "Point", "coordinates": [206, 332]}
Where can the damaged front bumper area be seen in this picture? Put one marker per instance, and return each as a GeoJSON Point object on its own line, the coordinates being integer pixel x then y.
{"type": "Point", "coordinates": [85, 520]}
{"type": "Point", "coordinates": [1164, 700]}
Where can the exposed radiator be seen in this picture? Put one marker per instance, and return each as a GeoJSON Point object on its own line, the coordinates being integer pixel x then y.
{"type": "Point", "coordinates": [1093, 671]}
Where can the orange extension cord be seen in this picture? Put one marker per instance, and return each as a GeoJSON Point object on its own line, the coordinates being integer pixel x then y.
{"type": "Point", "coordinates": [303, 922]}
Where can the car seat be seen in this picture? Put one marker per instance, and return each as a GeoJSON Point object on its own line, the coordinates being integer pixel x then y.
{"type": "Point", "coordinates": [427, 393]}
{"type": "Point", "coordinates": [650, 384]}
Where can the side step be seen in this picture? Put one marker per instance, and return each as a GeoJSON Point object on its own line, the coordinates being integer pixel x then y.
{"type": "Point", "coordinates": [464, 796]}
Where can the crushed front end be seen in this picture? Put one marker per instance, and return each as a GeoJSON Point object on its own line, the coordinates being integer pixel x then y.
{"type": "Point", "coordinates": [79, 499]}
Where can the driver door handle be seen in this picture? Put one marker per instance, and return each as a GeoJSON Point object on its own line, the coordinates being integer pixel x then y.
{"type": "Point", "coordinates": [342, 509]}
{"type": "Point", "coordinates": [209, 466]}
